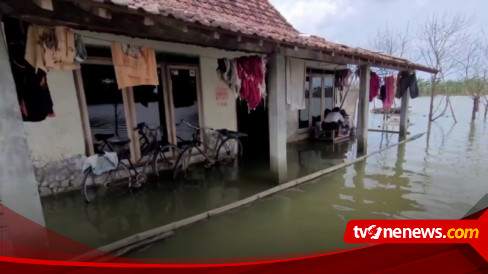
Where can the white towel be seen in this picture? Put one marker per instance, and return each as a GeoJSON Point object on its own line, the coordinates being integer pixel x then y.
{"type": "Point", "coordinates": [295, 83]}
{"type": "Point", "coordinates": [101, 163]}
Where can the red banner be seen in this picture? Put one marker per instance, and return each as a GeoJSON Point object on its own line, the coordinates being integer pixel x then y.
{"type": "Point", "coordinates": [44, 251]}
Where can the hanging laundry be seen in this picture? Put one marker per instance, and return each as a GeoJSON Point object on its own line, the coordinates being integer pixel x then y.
{"type": "Point", "coordinates": [407, 80]}
{"type": "Point", "coordinates": [389, 92]}
{"type": "Point", "coordinates": [252, 70]}
{"type": "Point", "coordinates": [342, 78]}
{"type": "Point", "coordinates": [374, 86]}
{"type": "Point", "coordinates": [382, 93]}
{"type": "Point", "coordinates": [227, 72]}
{"type": "Point", "coordinates": [295, 79]}
{"type": "Point", "coordinates": [51, 48]}
{"type": "Point", "coordinates": [31, 85]}
{"type": "Point", "coordinates": [134, 66]}
{"type": "Point", "coordinates": [81, 53]}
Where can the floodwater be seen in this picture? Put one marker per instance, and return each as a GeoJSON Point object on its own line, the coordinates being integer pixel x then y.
{"type": "Point", "coordinates": [434, 177]}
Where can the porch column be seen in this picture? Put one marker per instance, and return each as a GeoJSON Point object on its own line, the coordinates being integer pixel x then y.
{"type": "Point", "coordinates": [404, 115]}
{"type": "Point", "coordinates": [18, 186]}
{"type": "Point", "coordinates": [363, 110]}
{"type": "Point", "coordinates": [277, 116]}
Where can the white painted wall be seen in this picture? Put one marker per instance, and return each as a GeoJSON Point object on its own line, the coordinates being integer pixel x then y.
{"type": "Point", "coordinates": [216, 114]}
{"type": "Point", "coordinates": [61, 136]}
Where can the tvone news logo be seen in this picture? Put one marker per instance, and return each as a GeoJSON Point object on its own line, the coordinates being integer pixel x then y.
{"type": "Point", "coordinates": [374, 232]}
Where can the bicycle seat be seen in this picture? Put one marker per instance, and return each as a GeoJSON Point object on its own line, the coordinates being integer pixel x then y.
{"type": "Point", "coordinates": [103, 137]}
{"type": "Point", "coordinates": [231, 133]}
{"type": "Point", "coordinates": [120, 142]}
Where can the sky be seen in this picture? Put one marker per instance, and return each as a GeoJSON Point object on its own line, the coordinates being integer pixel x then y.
{"type": "Point", "coordinates": [356, 22]}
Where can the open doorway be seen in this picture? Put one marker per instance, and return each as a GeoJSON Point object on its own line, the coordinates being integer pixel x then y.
{"type": "Point", "coordinates": [255, 124]}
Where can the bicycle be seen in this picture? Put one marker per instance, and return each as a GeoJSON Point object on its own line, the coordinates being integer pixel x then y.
{"type": "Point", "coordinates": [226, 148]}
{"type": "Point", "coordinates": [128, 174]}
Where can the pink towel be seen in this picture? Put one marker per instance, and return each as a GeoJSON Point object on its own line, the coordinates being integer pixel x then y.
{"type": "Point", "coordinates": [390, 92]}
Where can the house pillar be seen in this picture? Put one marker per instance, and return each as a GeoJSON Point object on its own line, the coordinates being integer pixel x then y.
{"type": "Point", "coordinates": [277, 116]}
{"type": "Point", "coordinates": [18, 186]}
{"type": "Point", "coordinates": [404, 115]}
{"type": "Point", "coordinates": [363, 110]}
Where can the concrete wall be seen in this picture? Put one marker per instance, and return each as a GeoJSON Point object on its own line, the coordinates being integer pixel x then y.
{"type": "Point", "coordinates": [17, 182]}
{"type": "Point", "coordinates": [59, 137]}
{"type": "Point", "coordinates": [292, 132]}
{"type": "Point", "coordinates": [216, 113]}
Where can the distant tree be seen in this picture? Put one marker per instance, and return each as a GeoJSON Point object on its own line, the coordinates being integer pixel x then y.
{"type": "Point", "coordinates": [394, 43]}
{"type": "Point", "coordinates": [440, 40]}
{"type": "Point", "coordinates": [473, 64]}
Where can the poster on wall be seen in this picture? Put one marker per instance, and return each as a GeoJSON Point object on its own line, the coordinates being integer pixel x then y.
{"type": "Point", "coordinates": [221, 96]}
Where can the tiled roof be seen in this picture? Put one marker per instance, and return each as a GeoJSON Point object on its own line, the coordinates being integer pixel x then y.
{"type": "Point", "coordinates": [252, 17]}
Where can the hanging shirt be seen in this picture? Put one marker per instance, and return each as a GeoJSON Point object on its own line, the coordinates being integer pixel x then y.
{"type": "Point", "coordinates": [407, 80]}
{"type": "Point", "coordinates": [374, 86]}
{"type": "Point", "coordinates": [51, 49]}
{"type": "Point", "coordinates": [389, 92]}
{"type": "Point", "coordinates": [32, 90]}
{"type": "Point", "coordinates": [134, 66]}
{"type": "Point", "coordinates": [252, 70]}
{"type": "Point", "coordinates": [334, 117]}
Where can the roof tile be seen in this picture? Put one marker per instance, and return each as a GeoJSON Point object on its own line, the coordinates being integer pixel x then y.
{"type": "Point", "coordinates": [250, 17]}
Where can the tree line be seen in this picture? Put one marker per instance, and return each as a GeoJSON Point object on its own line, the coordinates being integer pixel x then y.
{"type": "Point", "coordinates": [451, 43]}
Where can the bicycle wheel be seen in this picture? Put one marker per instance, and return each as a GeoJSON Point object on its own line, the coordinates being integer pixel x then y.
{"type": "Point", "coordinates": [94, 186]}
{"type": "Point", "coordinates": [121, 177]}
{"type": "Point", "coordinates": [165, 158]}
{"type": "Point", "coordinates": [181, 165]}
{"type": "Point", "coordinates": [229, 150]}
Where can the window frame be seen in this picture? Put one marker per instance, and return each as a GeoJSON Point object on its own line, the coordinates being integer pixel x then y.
{"type": "Point", "coordinates": [171, 122]}
{"type": "Point", "coordinates": [83, 106]}
{"type": "Point", "coordinates": [323, 77]}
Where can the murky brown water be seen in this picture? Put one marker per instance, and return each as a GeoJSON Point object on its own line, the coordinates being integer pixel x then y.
{"type": "Point", "coordinates": [435, 177]}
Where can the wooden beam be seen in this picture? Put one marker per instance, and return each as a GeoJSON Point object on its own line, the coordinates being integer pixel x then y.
{"type": "Point", "coordinates": [432, 95]}
{"type": "Point", "coordinates": [404, 115]}
{"type": "Point", "coordinates": [44, 4]}
{"type": "Point", "coordinates": [85, 121]}
{"type": "Point", "coordinates": [385, 131]}
{"type": "Point", "coordinates": [148, 21]}
{"type": "Point", "coordinates": [363, 110]}
{"type": "Point", "coordinates": [102, 12]}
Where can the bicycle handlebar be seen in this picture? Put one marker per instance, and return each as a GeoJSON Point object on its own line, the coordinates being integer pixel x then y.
{"type": "Point", "coordinates": [189, 125]}
{"type": "Point", "coordinates": [143, 125]}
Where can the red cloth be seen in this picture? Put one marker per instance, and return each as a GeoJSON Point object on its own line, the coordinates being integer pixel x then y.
{"type": "Point", "coordinates": [250, 71]}
{"type": "Point", "coordinates": [390, 92]}
{"type": "Point", "coordinates": [374, 86]}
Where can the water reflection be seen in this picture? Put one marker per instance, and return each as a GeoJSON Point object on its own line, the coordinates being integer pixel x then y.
{"type": "Point", "coordinates": [125, 213]}
{"type": "Point", "coordinates": [440, 177]}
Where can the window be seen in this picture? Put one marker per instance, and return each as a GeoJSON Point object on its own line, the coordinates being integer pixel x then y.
{"type": "Point", "coordinates": [107, 110]}
{"type": "Point", "coordinates": [185, 98]}
{"type": "Point", "coordinates": [104, 101]}
{"type": "Point", "coordinates": [303, 114]}
{"type": "Point", "coordinates": [316, 103]}
{"type": "Point", "coordinates": [150, 108]}
{"type": "Point", "coordinates": [319, 95]}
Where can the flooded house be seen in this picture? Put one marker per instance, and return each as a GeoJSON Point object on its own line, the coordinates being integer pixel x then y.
{"type": "Point", "coordinates": [189, 40]}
